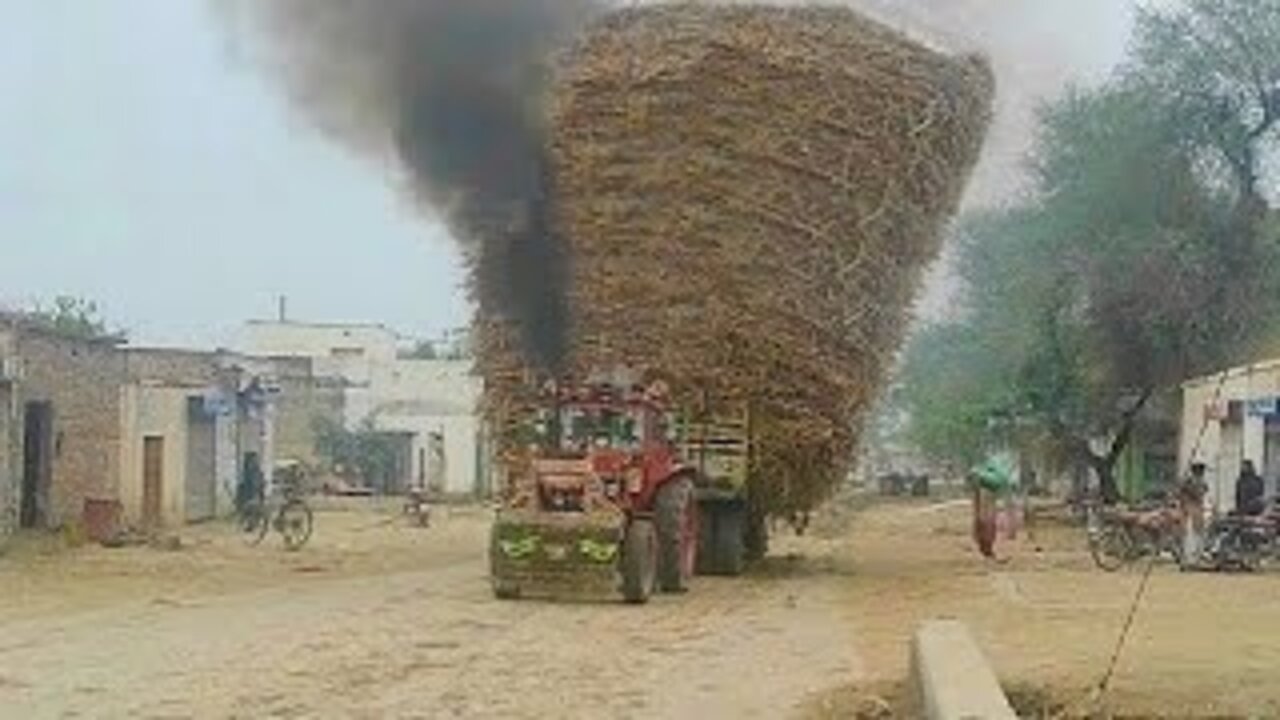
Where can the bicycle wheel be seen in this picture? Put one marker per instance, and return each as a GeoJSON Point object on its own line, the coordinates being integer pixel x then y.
{"type": "Point", "coordinates": [1111, 547]}
{"type": "Point", "coordinates": [252, 522]}
{"type": "Point", "coordinates": [294, 524]}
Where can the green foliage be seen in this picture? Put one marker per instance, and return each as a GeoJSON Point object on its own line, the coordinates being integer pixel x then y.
{"type": "Point", "coordinates": [951, 384]}
{"type": "Point", "coordinates": [73, 317]}
{"type": "Point", "coordinates": [365, 452]}
{"type": "Point", "coordinates": [1145, 255]}
{"type": "Point", "coordinates": [1215, 65]}
{"type": "Point", "coordinates": [423, 350]}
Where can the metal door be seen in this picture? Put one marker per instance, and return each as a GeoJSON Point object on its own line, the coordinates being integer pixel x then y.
{"type": "Point", "coordinates": [201, 487]}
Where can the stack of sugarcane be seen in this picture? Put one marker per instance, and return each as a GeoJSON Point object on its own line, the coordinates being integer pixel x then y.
{"type": "Point", "coordinates": [750, 195]}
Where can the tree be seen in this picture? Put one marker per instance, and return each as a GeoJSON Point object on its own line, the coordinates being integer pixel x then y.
{"type": "Point", "coordinates": [74, 317]}
{"type": "Point", "coordinates": [1215, 64]}
{"type": "Point", "coordinates": [1146, 254]}
{"type": "Point", "coordinates": [423, 350]}
{"type": "Point", "coordinates": [370, 454]}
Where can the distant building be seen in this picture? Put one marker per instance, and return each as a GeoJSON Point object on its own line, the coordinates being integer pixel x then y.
{"type": "Point", "coordinates": [103, 436]}
{"type": "Point", "coordinates": [426, 406]}
{"type": "Point", "coordinates": [1230, 417]}
{"type": "Point", "coordinates": [305, 397]}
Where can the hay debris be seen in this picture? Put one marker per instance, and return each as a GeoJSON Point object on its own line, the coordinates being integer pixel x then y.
{"type": "Point", "coordinates": [751, 195]}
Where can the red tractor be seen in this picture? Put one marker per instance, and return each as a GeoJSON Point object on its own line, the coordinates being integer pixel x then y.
{"type": "Point", "coordinates": [598, 498]}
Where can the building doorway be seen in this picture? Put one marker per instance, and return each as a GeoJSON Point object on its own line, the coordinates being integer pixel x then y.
{"type": "Point", "coordinates": [37, 465]}
{"type": "Point", "coordinates": [152, 481]}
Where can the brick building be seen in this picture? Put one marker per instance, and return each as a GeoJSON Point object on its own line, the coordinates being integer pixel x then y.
{"type": "Point", "coordinates": [60, 401]}
{"type": "Point", "coordinates": [9, 437]}
{"type": "Point", "coordinates": [143, 437]}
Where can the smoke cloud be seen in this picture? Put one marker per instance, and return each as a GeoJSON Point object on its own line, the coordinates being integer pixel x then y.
{"type": "Point", "coordinates": [452, 93]}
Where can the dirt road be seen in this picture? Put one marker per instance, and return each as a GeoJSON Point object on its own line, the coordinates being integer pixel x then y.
{"type": "Point", "coordinates": [1202, 645]}
{"type": "Point", "coordinates": [416, 634]}
{"type": "Point", "coordinates": [376, 619]}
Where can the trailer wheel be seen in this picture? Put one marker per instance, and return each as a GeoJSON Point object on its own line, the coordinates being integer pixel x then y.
{"type": "Point", "coordinates": [677, 516]}
{"type": "Point", "coordinates": [756, 539]}
{"type": "Point", "coordinates": [731, 540]}
{"type": "Point", "coordinates": [639, 561]}
{"type": "Point", "coordinates": [723, 538]}
{"type": "Point", "coordinates": [706, 560]}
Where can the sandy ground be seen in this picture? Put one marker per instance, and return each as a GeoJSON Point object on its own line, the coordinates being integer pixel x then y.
{"type": "Point", "coordinates": [1202, 645]}
{"type": "Point", "coordinates": [378, 619]}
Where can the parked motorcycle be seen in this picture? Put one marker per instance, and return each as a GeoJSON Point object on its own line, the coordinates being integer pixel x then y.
{"type": "Point", "coordinates": [1242, 543]}
{"type": "Point", "coordinates": [1118, 537]}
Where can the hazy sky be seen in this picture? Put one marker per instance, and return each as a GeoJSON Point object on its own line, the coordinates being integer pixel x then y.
{"type": "Point", "coordinates": [142, 166]}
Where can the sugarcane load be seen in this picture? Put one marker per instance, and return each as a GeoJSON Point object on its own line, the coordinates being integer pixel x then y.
{"type": "Point", "coordinates": [746, 197]}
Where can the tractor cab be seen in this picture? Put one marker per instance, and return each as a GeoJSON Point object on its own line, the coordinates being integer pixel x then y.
{"type": "Point", "coordinates": [597, 447]}
{"type": "Point", "coordinates": [597, 501]}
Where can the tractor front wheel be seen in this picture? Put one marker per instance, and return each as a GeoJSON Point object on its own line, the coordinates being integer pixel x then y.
{"type": "Point", "coordinates": [676, 509]}
{"type": "Point", "coordinates": [639, 561]}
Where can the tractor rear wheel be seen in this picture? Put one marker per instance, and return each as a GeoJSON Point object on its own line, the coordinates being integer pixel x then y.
{"type": "Point", "coordinates": [676, 512]}
{"type": "Point", "coordinates": [639, 561]}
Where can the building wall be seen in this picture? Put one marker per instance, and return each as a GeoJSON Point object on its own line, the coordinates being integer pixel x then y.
{"type": "Point", "coordinates": [81, 380]}
{"type": "Point", "coordinates": [319, 340]}
{"type": "Point", "coordinates": [415, 397]}
{"type": "Point", "coordinates": [162, 384]}
{"type": "Point", "coordinates": [427, 397]}
{"type": "Point", "coordinates": [456, 472]}
{"type": "Point", "coordinates": [175, 367]}
{"type": "Point", "coordinates": [1220, 430]}
{"type": "Point", "coordinates": [9, 452]}
{"type": "Point", "coordinates": [151, 410]}
{"type": "Point", "coordinates": [154, 412]}
{"type": "Point", "coordinates": [304, 398]}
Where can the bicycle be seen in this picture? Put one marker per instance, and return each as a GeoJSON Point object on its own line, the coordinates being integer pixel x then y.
{"type": "Point", "coordinates": [287, 513]}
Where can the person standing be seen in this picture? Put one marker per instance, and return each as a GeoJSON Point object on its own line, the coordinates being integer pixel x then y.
{"type": "Point", "coordinates": [251, 489]}
{"type": "Point", "coordinates": [1251, 491]}
{"type": "Point", "coordinates": [1191, 494]}
{"type": "Point", "coordinates": [989, 482]}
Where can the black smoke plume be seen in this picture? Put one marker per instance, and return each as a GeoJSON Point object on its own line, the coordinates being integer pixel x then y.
{"type": "Point", "coordinates": [453, 92]}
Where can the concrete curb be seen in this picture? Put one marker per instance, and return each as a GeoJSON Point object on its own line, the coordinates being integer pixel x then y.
{"type": "Point", "coordinates": [951, 678]}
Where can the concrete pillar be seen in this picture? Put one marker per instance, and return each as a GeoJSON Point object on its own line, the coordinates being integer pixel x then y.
{"type": "Point", "coordinates": [951, 677]}
{"type": "Point", "coordinates": [1255, 438]}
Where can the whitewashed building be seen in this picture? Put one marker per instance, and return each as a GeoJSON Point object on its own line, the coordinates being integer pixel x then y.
{"type": "Point", "coordinates": [1230, 417]}
{"type": "Point", "coordinates": [429, 404]}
